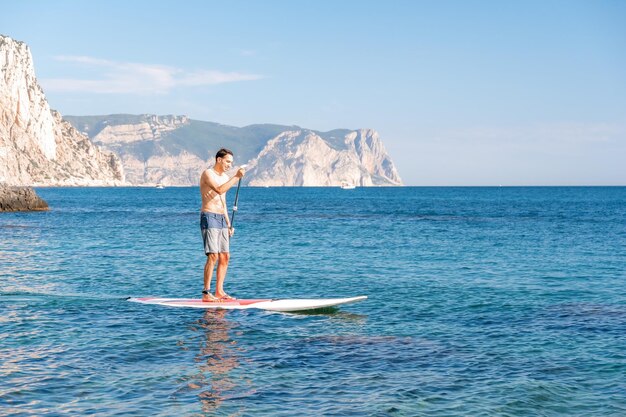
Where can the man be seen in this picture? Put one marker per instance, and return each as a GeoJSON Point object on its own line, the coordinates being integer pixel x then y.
{"type": "Point", "coordinates": [215, 224]}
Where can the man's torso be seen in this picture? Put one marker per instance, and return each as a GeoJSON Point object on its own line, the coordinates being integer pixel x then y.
{"type": "Point", "coordinates": [211, 200]}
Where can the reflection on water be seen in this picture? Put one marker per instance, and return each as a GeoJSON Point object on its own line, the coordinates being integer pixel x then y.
{"type": "Point", "coordinates": [332, 312]}
{"type": "Point", "coordinates": [218, 358]}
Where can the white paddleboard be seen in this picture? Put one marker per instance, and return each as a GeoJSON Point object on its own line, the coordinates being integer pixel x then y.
{"type": "Point", "coordinates": [263, 304]}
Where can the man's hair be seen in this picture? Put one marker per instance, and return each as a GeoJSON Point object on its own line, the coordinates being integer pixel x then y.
{"type": "Point", "coordinates": [223, 152]}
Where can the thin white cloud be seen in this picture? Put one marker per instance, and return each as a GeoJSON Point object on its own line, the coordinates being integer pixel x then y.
{"type": "Point", "coordinates": [133, 78]}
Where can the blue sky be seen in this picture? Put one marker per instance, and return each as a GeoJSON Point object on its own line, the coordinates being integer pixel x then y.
{"type": "Point", "coordinates": [461, 92]}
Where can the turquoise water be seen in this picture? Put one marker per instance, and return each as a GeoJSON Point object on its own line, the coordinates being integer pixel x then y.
{"type": "Point", "coordinates": [482, 301]}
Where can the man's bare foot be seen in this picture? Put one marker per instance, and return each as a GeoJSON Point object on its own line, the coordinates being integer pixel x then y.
{"type": "Point", "coordinates": [207, 297]}
{"type": "Point", "coordinates": [225, 297]}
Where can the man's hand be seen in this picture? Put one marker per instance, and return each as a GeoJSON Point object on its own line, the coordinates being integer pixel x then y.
{"type": "Point", "coordinates": [231, 231]}
{"type": "Point", "coordinates": [240, 172]}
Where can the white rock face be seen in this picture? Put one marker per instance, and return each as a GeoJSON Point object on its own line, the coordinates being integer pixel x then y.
{"type": "Point", "coordinates": [173, 150]}
{"type": "Point", "coordinates": [303, 158]}
{"type": "Point", "coordinates": [152, 129]}
{"type": "Point", "coordinates": [36, 146]}
{"type": "Point", "coordinates": [182, 169]}
{"type": "Point", "coordinates": [156, 165]}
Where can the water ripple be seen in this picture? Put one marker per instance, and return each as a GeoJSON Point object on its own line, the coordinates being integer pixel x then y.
{"type": "Point", "coordinates": [482, 302]}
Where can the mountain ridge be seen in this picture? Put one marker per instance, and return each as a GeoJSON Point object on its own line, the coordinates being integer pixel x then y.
{"type": "Point", "coordinates": [191, 144]}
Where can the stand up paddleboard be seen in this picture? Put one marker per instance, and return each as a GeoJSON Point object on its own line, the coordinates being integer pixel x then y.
{"type": "Point", "coordinates": [262, 304]}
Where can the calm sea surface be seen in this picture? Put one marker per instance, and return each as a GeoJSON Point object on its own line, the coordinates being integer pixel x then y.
{"type": "Point", "coordinates": [482, 302]}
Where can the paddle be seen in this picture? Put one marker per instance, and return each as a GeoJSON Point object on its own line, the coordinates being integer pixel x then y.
{"type": "Point", "coordinates": [232, 218]}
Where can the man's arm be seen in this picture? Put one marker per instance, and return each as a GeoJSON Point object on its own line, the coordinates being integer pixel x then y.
{"type": "Point", "coordinates": [222, 189]}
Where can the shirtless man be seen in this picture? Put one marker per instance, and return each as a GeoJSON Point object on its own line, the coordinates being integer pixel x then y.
{"type": "Point", "coordinates": [215, 224]}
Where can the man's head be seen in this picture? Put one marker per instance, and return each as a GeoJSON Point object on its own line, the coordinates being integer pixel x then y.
{"type": "Point", "coordinates": [223, 159]}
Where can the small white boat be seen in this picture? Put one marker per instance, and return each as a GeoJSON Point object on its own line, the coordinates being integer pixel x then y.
{"type": "Point", "coordinates": [160, 186]}
{"type": "Point", "coordinates": [347, 186]}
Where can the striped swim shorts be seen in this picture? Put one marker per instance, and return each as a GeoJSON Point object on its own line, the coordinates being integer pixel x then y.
{"type": "Point", "coordinates": [214, 232]}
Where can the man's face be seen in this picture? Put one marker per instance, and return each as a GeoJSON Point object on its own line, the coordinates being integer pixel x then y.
{"type": "Point", "coordinates": [226, 161]}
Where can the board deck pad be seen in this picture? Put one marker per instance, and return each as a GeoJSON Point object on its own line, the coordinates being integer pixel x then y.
{"type": "Point", "coordinates": [263, 304]}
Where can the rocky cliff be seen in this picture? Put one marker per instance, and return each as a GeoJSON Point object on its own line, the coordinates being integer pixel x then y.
{"type": "Point", "coordinates": [173, 150]}
{"type": "Point", "coordinates": [304, 158]}
{"type": "Point", "coordinates": [37, 147]}
{"type": "Point", "coordinates": [20, 199]}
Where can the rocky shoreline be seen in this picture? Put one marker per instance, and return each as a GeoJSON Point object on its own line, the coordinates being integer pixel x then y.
{"type": "Point", "coordinates": [20, 199]}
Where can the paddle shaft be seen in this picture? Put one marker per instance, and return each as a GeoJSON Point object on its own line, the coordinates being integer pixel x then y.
{"type": "Point", "coordinates": [232, 218]}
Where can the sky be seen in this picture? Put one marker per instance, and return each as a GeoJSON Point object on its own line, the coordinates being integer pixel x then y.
{"type": "Point", "coordinates": [461, 92]}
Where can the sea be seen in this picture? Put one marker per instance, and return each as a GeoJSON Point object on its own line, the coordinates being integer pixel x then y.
{"type": "Point", "coordinates": [494, 301]}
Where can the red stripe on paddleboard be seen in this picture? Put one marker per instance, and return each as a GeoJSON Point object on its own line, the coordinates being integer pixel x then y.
{"type": "Point", "coordinates": [248, 302]}
{"type": "Point", "coordinates": [199, 301]}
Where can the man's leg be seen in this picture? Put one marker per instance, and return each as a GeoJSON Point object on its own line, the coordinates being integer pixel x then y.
{"type": "Point", "coordinates": [211, 258]}
{"type": "Point", "coordinates": [222, 267]}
